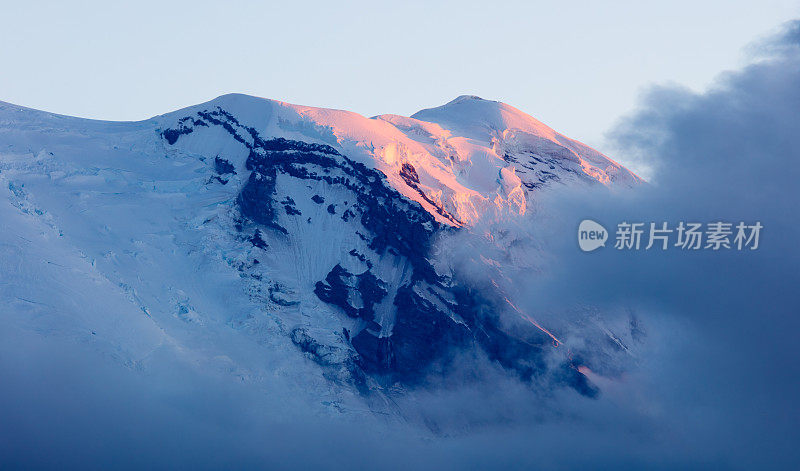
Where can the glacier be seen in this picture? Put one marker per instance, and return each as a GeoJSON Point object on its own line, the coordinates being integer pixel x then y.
{"type": "Point", "coordinates": [292, 248]}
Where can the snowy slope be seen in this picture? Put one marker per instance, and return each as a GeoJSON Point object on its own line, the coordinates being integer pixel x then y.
{"type": "Point", "coordinates": [275, 242]}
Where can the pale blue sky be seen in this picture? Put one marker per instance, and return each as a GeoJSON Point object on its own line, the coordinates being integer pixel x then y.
{"type": "Point", "coordinates": [576, 65]}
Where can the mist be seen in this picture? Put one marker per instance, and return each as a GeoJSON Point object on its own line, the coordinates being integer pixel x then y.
{"type": "Point", "coordinates": [714, 382]}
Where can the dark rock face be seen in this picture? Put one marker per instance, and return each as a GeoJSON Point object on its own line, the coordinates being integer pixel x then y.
{"type": "Point", "coordinates": [537, 170]}
{"type": "Point", "coordinates": [258, 241]}
{"type": "Point", "coordinates": [255, 200]}
{"type": "Point", "coordinates": [479, 310]}
{"type": "Point", "coordinates": [375, 352]}
{"type": "Point", "coordinates": [422, 333]}
{"type": "Point", "coordinates": [431, 318]}
{"type": "Point", "coordinates": [185, 126]}
{"type": "Point", "coordinates": [290, 208]}
{"type": "Point", "coordinates": [223, 167]}
{"type": "Point", "coordinates": [341, 287]}
{"type": "Point", "coordinates": [409, 175]}
{"type": "Point", "coordinates": [568, 375]}
{"type": "Point", "coordinates": [310, 346]}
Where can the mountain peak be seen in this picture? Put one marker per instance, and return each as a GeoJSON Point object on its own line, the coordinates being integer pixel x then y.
{"type": "Point", "coordinates": [465, 98]}
{"type": "Point", "coordinates": [473, 116]}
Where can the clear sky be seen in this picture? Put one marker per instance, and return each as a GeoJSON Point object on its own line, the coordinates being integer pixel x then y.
{"type": "Point", "coordinates": [577, 65]}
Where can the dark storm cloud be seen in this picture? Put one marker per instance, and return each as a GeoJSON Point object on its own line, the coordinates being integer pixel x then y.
{"type": "Point", "coordinates": [715, 384]}
{"type": "Point", "coordinates": [726, 324]}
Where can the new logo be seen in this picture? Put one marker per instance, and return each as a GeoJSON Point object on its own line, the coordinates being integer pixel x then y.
{"type": "Point", "coordinates": [591, 235]}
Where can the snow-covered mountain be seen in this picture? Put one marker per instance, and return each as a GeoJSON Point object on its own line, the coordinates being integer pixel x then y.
{"type": "Point", "coordinates": [264, 240]}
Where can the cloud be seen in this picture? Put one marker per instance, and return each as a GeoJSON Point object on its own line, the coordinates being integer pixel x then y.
{"type": "Point", "coordinates": [716, 382]}
{"type": "Point", "coordinates": [721, 371]}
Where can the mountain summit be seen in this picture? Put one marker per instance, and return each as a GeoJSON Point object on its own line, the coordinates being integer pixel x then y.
{"type": "Point", "coordinates": [473, 158]}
